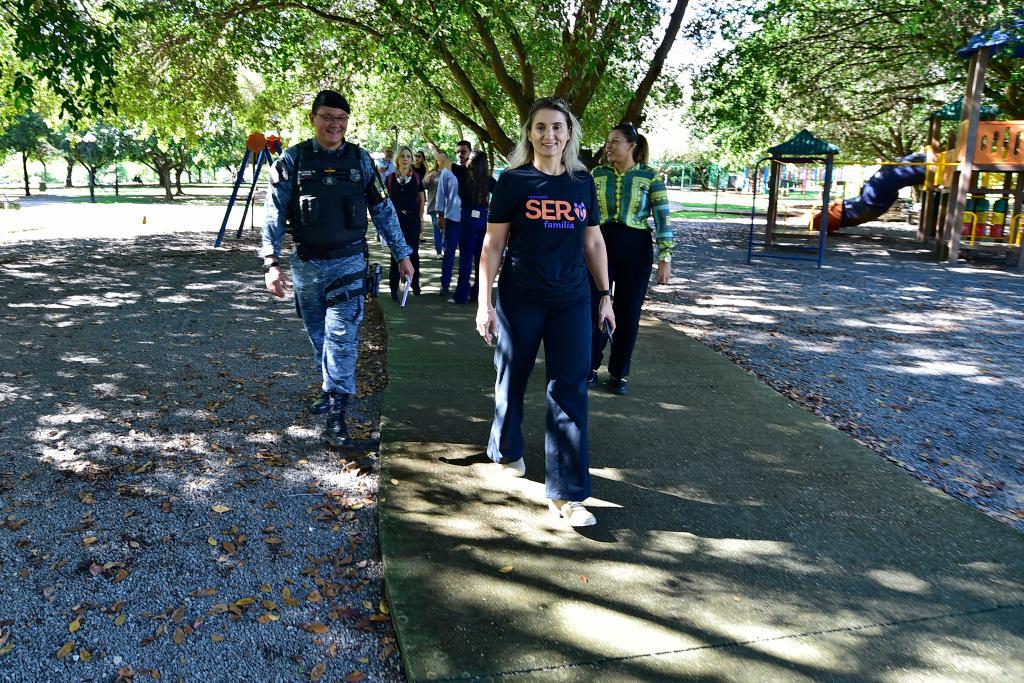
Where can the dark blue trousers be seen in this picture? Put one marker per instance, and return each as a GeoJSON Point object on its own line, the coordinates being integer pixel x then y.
{"type": "Point", "coordinates": [565, 330]}
{"type": "Point", "coordinates": [471, 241]}
{"type": "Point", "coordinates": [452, 232]}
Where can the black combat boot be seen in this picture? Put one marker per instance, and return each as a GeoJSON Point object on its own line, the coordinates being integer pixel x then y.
{"type": "Point", "coordinates": [336, 431]}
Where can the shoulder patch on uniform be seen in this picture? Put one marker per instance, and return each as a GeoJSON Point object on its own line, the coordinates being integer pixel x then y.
{"type": "Point", "coordinates": [278, 172]}
{"type": "Point", "coordinates": [378, 183]}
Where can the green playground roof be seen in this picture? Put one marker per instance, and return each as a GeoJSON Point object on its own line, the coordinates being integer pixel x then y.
{"type": "Point", "coordinates": [953, 111]}
{"type": "Point", "coordinates": [803, 144]}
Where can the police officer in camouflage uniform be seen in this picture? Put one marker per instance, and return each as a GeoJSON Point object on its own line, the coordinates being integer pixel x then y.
{"type": "Point", "coordinates": [320, 191]}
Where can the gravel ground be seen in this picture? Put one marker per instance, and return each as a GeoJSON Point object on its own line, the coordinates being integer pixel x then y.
{"type": "Point", "coordinates": [920, 361]}
{"type": "Point", "coordinates": [166, 508]}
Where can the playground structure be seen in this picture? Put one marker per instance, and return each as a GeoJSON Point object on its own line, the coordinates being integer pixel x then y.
{"type": "Point", "coordinates": [984, 159]}
{"type": "Point", "coordinates": [803, 148]}
{"type": "Point", "coordinates": [992, 147]}
{"type": "Point", "coordinates": [260, 149]}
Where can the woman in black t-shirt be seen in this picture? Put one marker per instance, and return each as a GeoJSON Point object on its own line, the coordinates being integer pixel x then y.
{"type": "Point", "coordinates": [544, 210]}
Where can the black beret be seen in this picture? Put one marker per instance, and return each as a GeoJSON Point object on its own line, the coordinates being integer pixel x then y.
{"type": "Point", "coordinates": [330, 98]}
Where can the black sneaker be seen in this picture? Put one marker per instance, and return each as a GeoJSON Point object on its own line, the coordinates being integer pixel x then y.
{"type": "Point", "coordinates": [618, 386]}
{"type": "Point", "coordinates": [336, 431]}
{"type": "Point", "coordinates": [319, 406]}
{"type": "Point", "coordinates": [592, 379]}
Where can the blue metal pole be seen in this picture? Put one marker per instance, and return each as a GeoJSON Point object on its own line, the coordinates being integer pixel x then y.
{"type": "Point", "coordinates": [231, 202]}
{"type": "Point", "coordinates": [252, 189]}
{"type": "Point", "coordinates": [823, 225]}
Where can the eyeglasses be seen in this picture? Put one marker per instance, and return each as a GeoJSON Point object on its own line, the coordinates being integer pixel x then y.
{"type": "Point", "coordinates": [331, 120]}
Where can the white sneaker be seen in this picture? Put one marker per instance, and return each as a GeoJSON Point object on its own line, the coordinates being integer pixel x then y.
{"type": "Point", "coordinates": [517, 468]}
{"type": "Point", "coordinates": [573, 511]}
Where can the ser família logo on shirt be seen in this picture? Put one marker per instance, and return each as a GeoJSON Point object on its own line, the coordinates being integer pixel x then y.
{"type": "Point", "coordinates": [556, 214]}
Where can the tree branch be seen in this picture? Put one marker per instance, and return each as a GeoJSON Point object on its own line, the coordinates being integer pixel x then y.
{"type": "Point", "coordinates": [522, 56]}
{"type": "Point", "coordinates": [635, 108]}
{"type": "Point", "coordinates": [512, 88]}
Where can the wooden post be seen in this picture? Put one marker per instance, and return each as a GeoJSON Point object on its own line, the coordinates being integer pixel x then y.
{"type": "Point", "coordinates": [773, 202]}
{"type": "Point", "coordinates": [966, 143]}
{"type": "Point", "coordinates": [929, 194]}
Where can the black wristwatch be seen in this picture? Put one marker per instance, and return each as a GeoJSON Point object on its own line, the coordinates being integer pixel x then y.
{"type": "Point", "coordinates": [272, 264]}
{"type": "Point", "coordinates": [604, 292]}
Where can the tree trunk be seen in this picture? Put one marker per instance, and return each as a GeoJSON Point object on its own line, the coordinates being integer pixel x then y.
{"type": "Point", "coordinates": [177, 182]}
{"type": "Point", "coordinates": [24, 169]}
{"type": "Point", "coordinates": [67, 181]}
{"type": "Point", "coordinates": [166, 174]}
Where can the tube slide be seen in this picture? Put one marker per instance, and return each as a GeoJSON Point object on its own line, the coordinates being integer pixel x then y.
{"type": "Point", "coordinates": [878, 194]}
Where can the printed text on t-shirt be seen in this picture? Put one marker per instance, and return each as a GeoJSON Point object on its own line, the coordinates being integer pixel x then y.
{"type": "Point", "coordinates": [557, 214]}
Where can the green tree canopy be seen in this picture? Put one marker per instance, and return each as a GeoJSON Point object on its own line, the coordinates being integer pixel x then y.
{"type": "Point", "coordinates": [64, 46]}
{"type": "Point", "coordinates": [861, 73]}
{"type": "Point", "coordinates": [480, 63]}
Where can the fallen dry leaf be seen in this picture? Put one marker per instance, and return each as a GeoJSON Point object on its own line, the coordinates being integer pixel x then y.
{"type": "Point", "coordinates": [121, 618]}
{"type": "Point", "coordinates": [506, 569]}
{"type": "Point", "coordinates": [178, 615]}
{"type": "Point", "coordinates": [317, 672]}
{"type": "Point", "coordinates": [121, 576]}
{"type": "Point", "coordinates": [179, 636]}
{"type": "Point", "coordinates": [313, 627]}
{"type": "Point", "coordinates": [221, 509]}
{"type": "Point", "coordinates": [74, 625]}
{"type": "Point", "coordinates": [355, 677]}
{"type": "Point", "coordinates": [84, 655]}
{"type": "Point", "coordinates": [65, 650]}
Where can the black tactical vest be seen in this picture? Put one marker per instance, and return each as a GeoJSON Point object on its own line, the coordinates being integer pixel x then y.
{"type": "Point", "coordinates": [328, 208]}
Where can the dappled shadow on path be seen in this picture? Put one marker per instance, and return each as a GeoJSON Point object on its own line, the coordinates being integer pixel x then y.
{"type": "Point", "coordinates": [738, 536]}
{"type": "Point", "coordinates": [917, 359]}
{"type": "Point", "coordinates": [156, 454]}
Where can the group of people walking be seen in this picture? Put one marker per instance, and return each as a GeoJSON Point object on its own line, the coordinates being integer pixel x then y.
{"type": "Point", "coordinates": [574, 251]}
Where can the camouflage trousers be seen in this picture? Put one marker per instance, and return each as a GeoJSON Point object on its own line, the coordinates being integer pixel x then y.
{"type": "Point", "coordinates": [332, 330]}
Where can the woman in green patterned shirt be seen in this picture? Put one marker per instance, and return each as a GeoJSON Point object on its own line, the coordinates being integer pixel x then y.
{"type": "Point", "coordinates": [628, 193]}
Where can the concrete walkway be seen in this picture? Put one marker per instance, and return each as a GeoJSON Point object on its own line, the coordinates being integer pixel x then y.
{"type": "Point", "coordinates": [738, 537]}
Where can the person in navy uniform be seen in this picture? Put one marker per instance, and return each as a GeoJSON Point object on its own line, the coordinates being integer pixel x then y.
{"type": "Point", "coordinates": [320, 191]}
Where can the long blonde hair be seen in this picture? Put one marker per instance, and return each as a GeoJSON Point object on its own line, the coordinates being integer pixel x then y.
{"type": "Point", "coordinates": [523, 152]}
